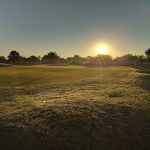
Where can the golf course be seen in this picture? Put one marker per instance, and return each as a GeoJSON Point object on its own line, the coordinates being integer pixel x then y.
{"type": "Point", "coordinates": [45, 107]}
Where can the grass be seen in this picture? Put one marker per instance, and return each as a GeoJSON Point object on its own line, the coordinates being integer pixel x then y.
{"type": "Point", "coordinates": [78, 108]}
{"type": "Point", "coordinates": [39, 75]}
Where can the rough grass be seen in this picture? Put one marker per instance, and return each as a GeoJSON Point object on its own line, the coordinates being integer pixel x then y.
{"type": "Point", "coordinates": [78, 108]}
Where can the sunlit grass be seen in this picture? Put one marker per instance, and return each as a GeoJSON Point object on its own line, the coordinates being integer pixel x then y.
{"type": "Point", "coordinates": [39, 75]}
{"type": "Point", "coordinates": [69, 107]}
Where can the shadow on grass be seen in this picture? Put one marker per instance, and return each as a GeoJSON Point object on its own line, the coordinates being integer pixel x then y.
{"type": "Point", "coordinates": [145, 82]}
{"type": "Point", "coordinates": [143, 69]}
{"type": "Point", "coordinates": [144, 79]}
{"type": "Point", "coordinates": [80, 126]}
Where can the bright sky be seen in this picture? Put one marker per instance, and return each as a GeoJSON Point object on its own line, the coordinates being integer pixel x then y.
{"type": "Point", "coordinates": [74, 26]}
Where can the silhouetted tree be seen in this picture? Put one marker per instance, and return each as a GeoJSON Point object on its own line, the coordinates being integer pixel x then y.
{"type": "Point", "coordinates": [103, 60]}
{"type": "Point", "coordinates": [32, 60]}
{"type": "Point", "coordinates": [51, 57]}
{"type": "Point", "coordinates": [76, 60]}
{"type": "Point", "coordinates": [90, 61]}
{"type": "Point", "coordinates": [62, 61]}
{"type": "Point", "coordinates": [147, 52]}
{"type": "Point", "coordinates": [14, 57]}
{"type": "Point", "coordinates": [141, 59]}
{"type": "Point", "coordinates": [99, 60]}
{"type": "Point", "coordinates": [127, 59]}
{"type": "Point", "coordinates": [3, 59]}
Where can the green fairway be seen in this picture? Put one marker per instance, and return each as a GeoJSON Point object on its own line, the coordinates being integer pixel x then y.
{"type": "Point", "coordinates": [40, 75]}
{"type": "Point", "coordinates": [74, 108]}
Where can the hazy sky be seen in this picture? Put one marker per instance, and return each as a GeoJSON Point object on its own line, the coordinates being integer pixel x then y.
{"type": "Point", "coordinates": [74, 26]}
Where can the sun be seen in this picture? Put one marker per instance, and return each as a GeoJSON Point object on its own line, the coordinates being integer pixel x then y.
{"type": "Point", "coordinates": [102, 50]}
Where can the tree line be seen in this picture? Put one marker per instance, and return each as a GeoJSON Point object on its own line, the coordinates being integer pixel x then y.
{"type": "Point", "coordinates": [53, 58]}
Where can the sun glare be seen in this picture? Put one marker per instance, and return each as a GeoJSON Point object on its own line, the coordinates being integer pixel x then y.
{"type": "Point", "coordinates": [103, 50]}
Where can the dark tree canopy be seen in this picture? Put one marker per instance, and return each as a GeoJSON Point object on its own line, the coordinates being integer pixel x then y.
{"type": "Point", "coordinates": [75, 60]}
{"type": "Point", "coordinates": [100, 60]}
{"type": "Point", "coordinates": [33, 59]}
{"type": "Point", "coordinates": [3, 59]}
{"type": "Point", "coordinates": [147, 52]}
{"type": "Point", "coordinates": [14, 57]}
{"type": "Point", "coordinates": [51, 57]}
